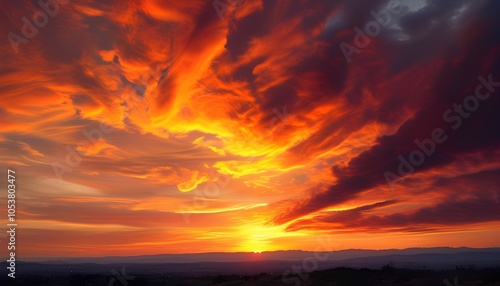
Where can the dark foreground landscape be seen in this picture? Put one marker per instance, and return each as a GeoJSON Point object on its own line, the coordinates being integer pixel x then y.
{"type": "Point", "coordinates": [338, 277]}
{"type": "Point", "coordinates": [413, 266]}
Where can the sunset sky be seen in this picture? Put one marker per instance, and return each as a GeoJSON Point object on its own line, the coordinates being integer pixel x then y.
{"type": "Point", "coordinates": [161, 126]}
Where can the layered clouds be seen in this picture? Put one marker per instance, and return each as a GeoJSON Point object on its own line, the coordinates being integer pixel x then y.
{"type": "Point", "coordinates": [159, 125]}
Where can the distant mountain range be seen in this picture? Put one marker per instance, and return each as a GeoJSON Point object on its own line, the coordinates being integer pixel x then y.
{"type": "Point", "coordinates": [274, 261]}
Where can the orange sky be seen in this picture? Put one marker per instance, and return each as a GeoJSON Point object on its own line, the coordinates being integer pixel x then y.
{"type": "Point", "coordinates": [143, 127]}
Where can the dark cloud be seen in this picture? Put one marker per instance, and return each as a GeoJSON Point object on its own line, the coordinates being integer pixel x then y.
{"type": "Point", "coordinates": [481, 204]}
{"type": "Point", "coordinates": [454, 80]}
